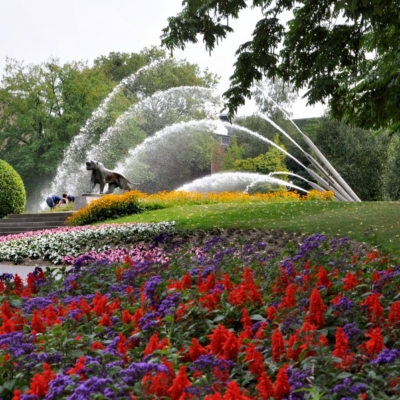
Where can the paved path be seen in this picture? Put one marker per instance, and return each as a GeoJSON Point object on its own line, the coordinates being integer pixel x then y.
{"type": "Point", "coordinates": [21, 270]}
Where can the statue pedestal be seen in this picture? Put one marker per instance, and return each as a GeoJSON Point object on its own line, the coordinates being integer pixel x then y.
{"type": "Point", "coordinates": [84, 199]}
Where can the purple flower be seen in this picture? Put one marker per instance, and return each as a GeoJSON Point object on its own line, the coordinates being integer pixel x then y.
{"type": "Point", "coordinates": [57, 386]}
{"type": "Point", "coordinates": [136, 371]}
{"type": "Point", "coordinates": [149, 320]}
{"type": "Point", "coordinates": [151, 287]}
{"type": "Point", "coordinates": [168, 305]}
{"type": "Point", "coordinates": [90, 387]}
{"type": "Point", "coordinates": [386, 356]}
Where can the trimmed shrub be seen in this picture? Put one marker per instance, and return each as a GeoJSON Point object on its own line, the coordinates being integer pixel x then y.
{"type": "Point", "coordinates": [12, 191]}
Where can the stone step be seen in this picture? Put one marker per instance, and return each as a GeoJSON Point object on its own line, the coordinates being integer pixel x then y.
{"type": "Point", "coordinates": [18, 223]}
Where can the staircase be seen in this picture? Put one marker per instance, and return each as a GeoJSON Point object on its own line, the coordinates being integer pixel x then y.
{"type": "Point", "coordinates": [19, 223]}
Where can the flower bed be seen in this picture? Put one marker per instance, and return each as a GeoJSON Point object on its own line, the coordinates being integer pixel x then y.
{"type": "Point", "coordinates": [52, 244]}
{"type": "Point", "coordinates": [210, 323]}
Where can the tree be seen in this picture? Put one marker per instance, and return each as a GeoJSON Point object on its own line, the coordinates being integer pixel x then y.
{"type": "Point", "coordinates": [43, 107]}
{"type": "Point", "coordinates": [272, 161]}
{"type": "Point", "coordinates": [359, 157]}
{"type": "Point", "coordinates": [345, 52]}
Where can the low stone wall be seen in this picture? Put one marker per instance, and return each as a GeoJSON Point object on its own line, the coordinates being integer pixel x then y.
{"type": "Point", "coordinates": [85, 199]}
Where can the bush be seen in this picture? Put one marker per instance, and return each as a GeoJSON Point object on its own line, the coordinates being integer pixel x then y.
{"type": "Point", "coordinates": [12, 191]}
{"type": "Point", "coordinates": [109, 206]}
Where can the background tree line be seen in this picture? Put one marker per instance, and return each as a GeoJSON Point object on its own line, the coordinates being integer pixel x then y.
{"type": "Point", "coordinates": [42, 107]}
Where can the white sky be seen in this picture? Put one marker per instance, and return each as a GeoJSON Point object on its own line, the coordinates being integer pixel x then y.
{"type": "Point", "coordinates": [35, 30]}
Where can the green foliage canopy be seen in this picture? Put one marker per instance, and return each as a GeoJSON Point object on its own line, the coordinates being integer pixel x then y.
{"type": "Point", "coordinates": [12, 191]}
{"type": "Point", "coordinates": [345, 52]}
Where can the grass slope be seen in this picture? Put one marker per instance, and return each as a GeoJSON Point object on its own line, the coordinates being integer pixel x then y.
{"type": "Point", "coordinates": [377, 223]}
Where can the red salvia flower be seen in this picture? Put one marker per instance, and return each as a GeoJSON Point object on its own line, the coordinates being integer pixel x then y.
{"type": "Point", "coordinates": [51, 316]}
{"type": "Point", "coordinates": [233, 392]}
{"type": "Point", "coordinates": [350, 281]}
{"type": "Point", "coordinates": [196, 350]}
{"type": "Point", "coordinates": [180, 382]}
{"type": "Point", "coordinates": [282, 387]}
{"type": "Point", "coordinates": [281, 281]}
{"type": "Point", "coordinates": [255, 359]}
{"type": "Point", "coordinates": [375, 344]}
{"type": "Point", "coordinates": [375, 276]}
{"type": "Point", "coordinates": [374, 307]}
{"type": "Point", "coordinates": [231, 347]}
{"type": "Point", "coordinates": [18, 284]}
{"type": "Point", "coordinates": [16, 395]}
{"type": "Point", "coordinates": [37, 323]}
{"type": "Point", "coordinates": [246, 321]}
{"type": "Point", "coordinates": [186, 282]}
{"type": "Point", "coordinates": [394, 313]}
{"type": "Point", "coordinates": [127, 318]}
{"type": "Point", "coordinates": [6, 309]}
{"type": "Point", "coordinates": [341, 349]}
{"type": "Point", "coordinates": [228, 285]}
{"type": "Point", "coordinates": [40, 382]}
{"type": "Point", "coordinates": [264, 387]}
{"type": "Point", "coordinates": [218, 338]}
{"type": "Point", "coordinates": [260, 334]}
{"type": "Point", "coordinates": [79, 365]}
{"type": "Point", "coordinates": [290, 297]}
{"type": "Point", "coordinates": [246, 334]}
{"type": "Point", "coordinates": [278, 345]}
{"type": "Point", "coordinates": [316, 310]}
{"type": "Point", "coordinates": [323, 279]}
{"type": "Point", "coordinates": [105, 320]}
{"type": "Point", "coordinates": [97, 346]}
{"type": "Point", "coordinates": [214, 396]}
{"type": "Point", "coordinates": [152, 345]}
{"type": "Point", "coordinates": [99, 304]}
{"type": "Point", "coordinates": [271, 313]}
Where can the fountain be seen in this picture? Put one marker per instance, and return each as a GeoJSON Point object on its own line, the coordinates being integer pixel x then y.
{"type": "Point", "coordinates": [233, 182]}
{"type": "Point", "coordinates": [171, 130]}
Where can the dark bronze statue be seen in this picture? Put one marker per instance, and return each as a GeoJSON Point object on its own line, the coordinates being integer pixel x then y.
{"type": "Point", "coordinates": [102, 175]}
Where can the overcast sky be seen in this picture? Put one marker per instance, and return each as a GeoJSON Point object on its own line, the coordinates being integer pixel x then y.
{"type": "Point", "coordinates": [35, 30]}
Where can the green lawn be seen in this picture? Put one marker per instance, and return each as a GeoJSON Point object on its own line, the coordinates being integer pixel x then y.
{"type": "Point", "coordinates": [377, 223]}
